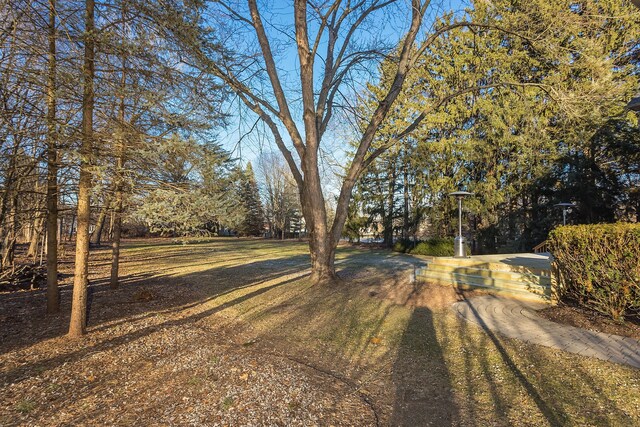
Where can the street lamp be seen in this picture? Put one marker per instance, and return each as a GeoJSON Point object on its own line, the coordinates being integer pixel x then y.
{"type": "Point", "coordinates": [458, 243]}
{"type": "Point", "coordinates": [565, 206]}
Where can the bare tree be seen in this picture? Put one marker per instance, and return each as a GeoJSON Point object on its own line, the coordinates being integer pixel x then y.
{"type": "Point", "coordinates": [330, 52]}
{"type": "Point", "coordinates": [281, 201]}
{"type": "Point", "coordinates": [53, 299]}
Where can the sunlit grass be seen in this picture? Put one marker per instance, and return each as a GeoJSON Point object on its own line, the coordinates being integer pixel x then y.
{"type": "Point", "coordinates": [492, 380]}
{"type": "Point", "coordinates": [414, 361]}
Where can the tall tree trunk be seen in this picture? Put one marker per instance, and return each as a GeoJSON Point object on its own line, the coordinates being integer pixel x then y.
{"type": "Point", "coordinates": [71, 225]}
{"type": "Point", "coordinates": [405, 194]}
{"type": "Point", "coordinates": [9, 244]}
{"type": "Point", "coordinates": [119, 170]}
{"type": "Point", "coordinates": [117, 232]}
{"type": "Point", "coordinates": [78, 323]}
{"type": "Point", "coordinates": [7, 200]}
{"type": "Point", "coordinates": [321, 243]}
{"type": "Point", "coordinates": [110, 230]}
{"type": "Point", "coordinates": [53, 298]}
{"type": "Point", "coordinates": [96, 236]}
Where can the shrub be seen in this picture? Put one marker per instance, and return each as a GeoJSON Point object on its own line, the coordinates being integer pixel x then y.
{"type": "Point", "coordinates": [431, 247]}
{"type": "Point", "coordinates": [598, 266]}
{"type": "Point", "coordinates": [402, 245]}
{"type": "Point", "coordinates": [434, 247]}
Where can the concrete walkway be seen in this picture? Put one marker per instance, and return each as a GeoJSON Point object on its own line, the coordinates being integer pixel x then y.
{"type": "Point", "coordinates": [537, 261]}
{"type": "Point", "coordinates": [517, 319]}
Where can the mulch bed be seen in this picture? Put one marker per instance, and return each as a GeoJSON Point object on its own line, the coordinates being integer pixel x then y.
{"type": "Point", "coordinates": [591, 320]}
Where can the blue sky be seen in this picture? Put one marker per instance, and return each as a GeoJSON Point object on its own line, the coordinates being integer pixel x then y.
{"type": "Point", "coordinates": [277, 14]}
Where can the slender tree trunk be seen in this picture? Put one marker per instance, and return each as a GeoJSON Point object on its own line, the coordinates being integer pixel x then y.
{"type": "Point", "coordinates": [110, 230]}
{"type": "Point", "coordinates": [96, 236]}
{"type": "Point", "coordinates": [8, 198]}
{"type": "Point", "coordinates": [9, 247]}
{"type": "Point", "coordinates": [53, 298]}
{"type": "Point", "coordinates": [119, 171]}
{"type": "Point", "coordinates": [117, 232]}
{"type": "Point", "coordinates": [71, 227]}
{"type": "Point", "coordinates": [78, 323]}
{"type": "Point", "coordinates": [405, 194]}
{"type": "Point", "coordinates": [388, 218]}
{"type": "Point", "coordinates": [36, 231]}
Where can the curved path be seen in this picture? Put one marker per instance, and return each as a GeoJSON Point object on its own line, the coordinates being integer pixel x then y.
{"type": "Point", "coordinates": [517, 319]}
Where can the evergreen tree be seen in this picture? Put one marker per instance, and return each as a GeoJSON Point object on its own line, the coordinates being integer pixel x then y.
{"type": "Point", "coordinates": [191, 189]}
{"type": "Point", "coordinates": [511, 103]}
{"type": "Point", "coordinates": [253, 223]}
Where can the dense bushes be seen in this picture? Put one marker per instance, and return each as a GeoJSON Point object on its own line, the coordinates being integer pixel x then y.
{"type": "Point", "coordinates": [433, 247]}
{"type": "Point", "coordinates": [598, 266]}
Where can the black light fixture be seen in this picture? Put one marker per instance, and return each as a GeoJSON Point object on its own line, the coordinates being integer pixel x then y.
{"type": "Point", "coordinates": [565, 206]}
{"type": "Point", "coordinates": [458, 244]}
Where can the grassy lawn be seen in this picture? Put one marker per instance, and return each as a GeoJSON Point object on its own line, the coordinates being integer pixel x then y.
{"type": "Point", "coordinates": [230, 332]}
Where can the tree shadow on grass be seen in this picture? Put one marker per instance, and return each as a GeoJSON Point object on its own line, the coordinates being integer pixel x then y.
{"type": "Point", "coordinates": [423, 385]}
{"type": "Point", "coordinates": [23, 322]}
{"type": "Point", "coordinates": [503, 380]}
{"type": "Point", "coordinates": [346, 331]}
{"type": "Point", "coordinates": [25, 371]}
{"type": "Point", "coordinates": [478, 360]}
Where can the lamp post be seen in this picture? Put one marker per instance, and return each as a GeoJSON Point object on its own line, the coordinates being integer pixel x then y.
{"type": "Point", "coordinates": [565, 206]}
{"type": "Point", "coordinates": [458, 243]}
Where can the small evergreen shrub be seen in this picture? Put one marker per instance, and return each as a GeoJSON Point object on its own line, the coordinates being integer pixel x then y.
{"type": "Point", "coordinates": [434, 247]}
{"type": "Point", "coordinates": [431, 247]}
{"type": "Point", "coordinates": [402, 245]}
{"type": "Point", "coordinates": [598, 267]}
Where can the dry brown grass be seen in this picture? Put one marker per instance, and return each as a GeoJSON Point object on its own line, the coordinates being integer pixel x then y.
{"type": "Point", "coordinates": [231, 332]}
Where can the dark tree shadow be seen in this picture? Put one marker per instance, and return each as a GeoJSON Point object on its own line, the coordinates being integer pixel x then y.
{"type": "Point", "coordinates": [22, 372]}
{"type": "Point", "coordinates": [23, 322]}
{"type": "Point", "coordinates": [423, 389]}
{"type": "Point", "coordinates": [550, 410]}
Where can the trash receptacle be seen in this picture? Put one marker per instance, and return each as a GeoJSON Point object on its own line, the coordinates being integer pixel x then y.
{"type": "Point", "coordinates": [458, 247]}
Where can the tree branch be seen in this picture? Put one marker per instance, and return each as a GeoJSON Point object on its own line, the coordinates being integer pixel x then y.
{"type": "Point", "coordinates": [284, 113]}
{"type": "Point", "coordinates": [442, 101]}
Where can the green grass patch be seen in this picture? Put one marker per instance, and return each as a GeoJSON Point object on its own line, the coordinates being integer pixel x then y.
{"type": "Point", "coordinates": [25, 406]}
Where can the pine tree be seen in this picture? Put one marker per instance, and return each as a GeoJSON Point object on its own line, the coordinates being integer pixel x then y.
{"type": "Point", "coordinates": [253, 223]}
{"type": "Point", "coordinates": [509, 101]}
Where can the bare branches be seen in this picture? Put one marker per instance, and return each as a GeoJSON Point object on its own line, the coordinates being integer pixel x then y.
{"type": "Point", "coordinates": [381, 111]}
{"type": "Point", "coordinates": [278, 138]}
{"type": "Point", "coordinates": [284, 113]}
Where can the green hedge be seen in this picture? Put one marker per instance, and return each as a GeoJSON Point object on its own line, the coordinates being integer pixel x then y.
{"type": "Point", "coordinates": [432, 247]}
{"type": "Point", "coordinates": [598, 267]}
